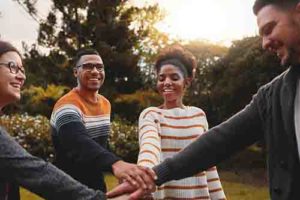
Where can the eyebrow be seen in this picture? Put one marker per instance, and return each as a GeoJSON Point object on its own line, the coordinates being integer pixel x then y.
{"type": "Point", "coordinates": [266, 25]}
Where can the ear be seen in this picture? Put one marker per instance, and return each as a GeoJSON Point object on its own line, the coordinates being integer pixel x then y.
{"type": "Point", "coordinates": [297, 13]}
{"type": "Point", "coordinates": [298, 7]}
{"type": "Point", "coordinates": [188, 82]}
{"type": "Point", "coordinates": [75, 71]}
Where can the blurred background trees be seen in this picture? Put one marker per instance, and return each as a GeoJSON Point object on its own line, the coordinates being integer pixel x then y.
{"type": "Point", "coordinates": [128, 41]}
{"type": "Point", "coordinates": [124, 35]}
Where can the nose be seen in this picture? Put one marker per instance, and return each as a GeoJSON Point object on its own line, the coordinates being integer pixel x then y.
{"type": "Point", "coordinates": [265, 43]}
{"type": "Point", "coordinates": [268, 44]}
{"type": "Point", "coordinates": [20, 76]}
{"type": "Point", "coordinates": [168, 82]}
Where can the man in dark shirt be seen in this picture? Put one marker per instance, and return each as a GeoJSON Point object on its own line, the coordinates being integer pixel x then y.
{"type": "Point", "coordinates": [273, 114]}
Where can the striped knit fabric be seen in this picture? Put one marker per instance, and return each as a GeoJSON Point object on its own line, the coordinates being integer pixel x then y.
{"type": "Point", "coordinates": [72, 107]}
{"type": "Point", "coordinates": [163, 133]}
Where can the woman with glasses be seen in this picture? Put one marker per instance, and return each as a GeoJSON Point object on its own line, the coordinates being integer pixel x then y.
{"type": "Point", "coordinates": [18, 167]}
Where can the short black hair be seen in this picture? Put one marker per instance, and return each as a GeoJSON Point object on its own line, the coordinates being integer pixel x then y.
{"type": "Point", "coordinates": [178, 56]}
{"type": "Point", "coordinates": [259, 4]}
{"type": "Point", "coordinates": [6, 47]}
{"type": "Point", "coordinates": [83, 52]}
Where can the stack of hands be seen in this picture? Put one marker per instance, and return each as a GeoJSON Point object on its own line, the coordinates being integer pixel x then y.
{"type": "Point", "coordinates": [135, 181]}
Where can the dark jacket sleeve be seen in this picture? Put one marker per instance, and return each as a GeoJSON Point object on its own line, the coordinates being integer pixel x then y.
{"type": "Point", "coordinates": [82, 149]}
{"type": "Point", "coordinates": [220, 142]}
{"type": "Point", "coordinates": [38, 176]}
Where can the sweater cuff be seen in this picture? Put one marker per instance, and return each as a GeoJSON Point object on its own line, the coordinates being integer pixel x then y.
{"type": "Point", "coordinates": [163, 174]}
{"type": "Point", "coordinates": [109, 162]}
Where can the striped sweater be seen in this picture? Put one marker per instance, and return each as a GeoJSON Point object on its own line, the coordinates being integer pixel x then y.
{"type": "Point", "coordinates": [163, 133]}
{"type": "Point", "coordinates": [80, 131]}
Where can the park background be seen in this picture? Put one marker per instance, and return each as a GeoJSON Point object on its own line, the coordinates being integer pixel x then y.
{"type": "Point", "coordinates": [128, 35]}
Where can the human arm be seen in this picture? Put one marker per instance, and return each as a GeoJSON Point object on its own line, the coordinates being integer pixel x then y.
{"type": "Point", "coordinates": [219, 143]}
{"type": "Point", "coordinates": [73, 137]}
{"type": "Point", "coordinates": [38, 176]}
{"type": "Point", "coordinates": [149, 140]}
{"type": "Point", "coordinates": [214, 184]}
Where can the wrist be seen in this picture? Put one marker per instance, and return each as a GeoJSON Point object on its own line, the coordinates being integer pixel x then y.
{"type": "Point", "coordinates": [115, 166]}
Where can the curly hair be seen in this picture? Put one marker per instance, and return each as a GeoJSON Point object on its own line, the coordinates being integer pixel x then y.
{"type": "Point", "coordinates": [259, 4]}
{"type": "Point", "coordinates": [178, 56]}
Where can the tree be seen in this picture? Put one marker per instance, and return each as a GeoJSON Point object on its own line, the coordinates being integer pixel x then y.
{"type": "Point", "coordinates": [124, 35]}
{"type": "Point", "coordinates": [228, 83]}
{"type": "Point", "coordinates": [116, 29]}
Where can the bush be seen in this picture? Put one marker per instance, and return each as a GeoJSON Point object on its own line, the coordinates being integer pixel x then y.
{"type": "Point", "coordinates": [33, 133]}
{"type": "Point", "coordinates": [39, 100]}
{"type": "Point", "coordinates": [30, 132]}
{"type": "Point", "coordinates": [129, 106]}
{"type": "Point", "coordinates": [124, 140]}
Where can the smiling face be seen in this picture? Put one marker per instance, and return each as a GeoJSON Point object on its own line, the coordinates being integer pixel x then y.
{"type": "Point", "coordinates": [10, 83]}
{"type": "Point", "coordinates": [89, 80]}
{"type": "Point", "coordinates": [280, 32]}
{"type": "Point", "coordinates": [171, 85]}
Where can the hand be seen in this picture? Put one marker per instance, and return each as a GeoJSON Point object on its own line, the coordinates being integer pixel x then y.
{"type": "Point", "coordinates": [127, 188]}
{"type": "Point", "coordinates": [123, 197]}
{"type": "Point", "coordinates": [135, 175]}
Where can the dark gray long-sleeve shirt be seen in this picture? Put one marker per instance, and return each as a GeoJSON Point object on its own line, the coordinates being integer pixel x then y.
{"type": "Point", "coordinates": [38, 176]}
{"type": "Point", "coordinates": [270, 115]}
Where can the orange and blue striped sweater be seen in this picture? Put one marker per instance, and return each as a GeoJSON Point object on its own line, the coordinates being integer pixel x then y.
{"type": "Point", "coordinates": [80, 130]}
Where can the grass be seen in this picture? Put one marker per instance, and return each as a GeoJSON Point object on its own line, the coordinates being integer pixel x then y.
{"type": "Point", "coordinates": [244, 185]}
{"type": "Point", "coordinates": [238, 191]}
{"type": "Point", "coordinates": [26, 195]}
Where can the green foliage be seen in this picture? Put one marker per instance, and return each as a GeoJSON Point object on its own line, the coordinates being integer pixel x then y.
{"type": "Point", "coordinates": [227, 84]}
{"type": "Point", "coordinates": [129, 106]}
{"type": "Point", "coordinates": [124, 140]}
{"type": "Point", "coordinates": [32, 133]}
{"type": "Point", "coordinates": [39, 94]}
{"type": "Point", "coordinates": [42, 70]}
{"type": "Point", "coordinates": [39, 100]}
{"type": "Point", "coordinates": [118, 30]}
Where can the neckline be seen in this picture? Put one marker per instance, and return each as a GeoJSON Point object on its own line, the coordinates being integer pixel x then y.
{"type": "Point", "coordinates": [87, 100]}
{"type": "Point", "coordinates": [181, 108]}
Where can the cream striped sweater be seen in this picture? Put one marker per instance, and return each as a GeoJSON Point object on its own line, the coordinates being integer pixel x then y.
{"type": "Point", "coordinates": [163, 133]}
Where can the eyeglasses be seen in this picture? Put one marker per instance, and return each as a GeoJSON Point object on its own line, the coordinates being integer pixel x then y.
{"type": "Point", "coordinates": [13, 67]}
{"type": "Point", "coordinates": [90, 66]}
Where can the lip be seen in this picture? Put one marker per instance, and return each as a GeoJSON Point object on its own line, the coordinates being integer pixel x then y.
{"type": "Point", "coordinates": [16, 85]}
{"type": "Point", "coordinates": [168, 91]}
{"type": "Point", "coordinates": [94, 79]}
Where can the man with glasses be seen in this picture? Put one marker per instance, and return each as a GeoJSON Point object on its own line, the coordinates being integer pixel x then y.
{"type": "Point", "coordinates": [80, 124]}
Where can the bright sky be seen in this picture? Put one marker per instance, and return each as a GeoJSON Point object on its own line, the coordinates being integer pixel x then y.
{"type": "Point", "coordinates": [213, 20]}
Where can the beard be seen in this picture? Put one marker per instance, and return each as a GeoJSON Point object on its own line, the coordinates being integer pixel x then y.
{"type": "Point", "coordinates": [291, 59]}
